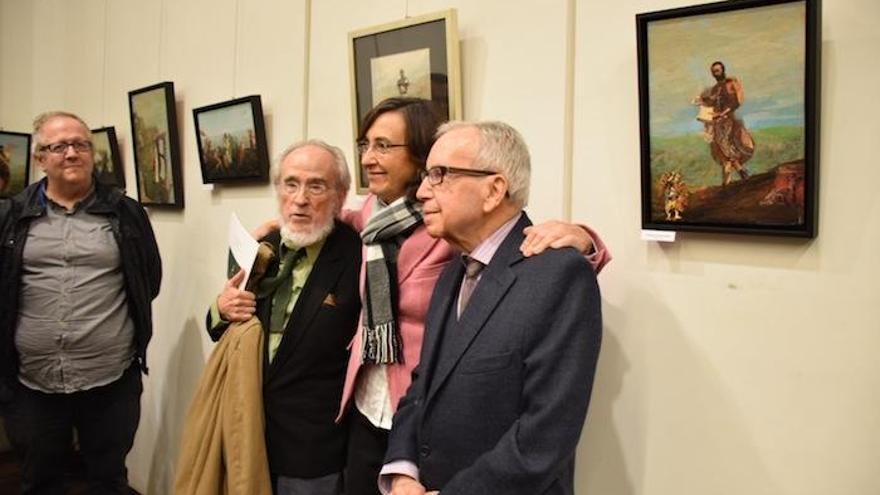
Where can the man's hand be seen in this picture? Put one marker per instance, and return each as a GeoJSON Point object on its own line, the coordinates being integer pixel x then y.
{"type": "Point", "coordinates": [404, 485]}
{"type": "Point", "coordinates": [236, 305]}
{"type": "Point", "coordinates": [266, 228]}
{"type": "Point", "coordinates": [555, 234]}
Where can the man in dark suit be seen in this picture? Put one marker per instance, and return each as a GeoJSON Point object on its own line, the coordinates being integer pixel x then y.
{"type": "Point", "coordinates": [511, 343]}
{"type": "Point", "coordinates": [308, 306]}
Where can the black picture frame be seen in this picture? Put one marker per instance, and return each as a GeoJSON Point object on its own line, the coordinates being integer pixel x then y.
{"type": "Point", "coordinates": [108, 160]}
{"type": "Point", "coordinates": [231, 138]}
{"type": "Point", "coordinates": [379, 57]}
{"type": "Point", "coordinates": [156, 147]}
{"type": "Point", "coordinates": [741, 155]}
{"type": "Point", "coordinates": [15, 162]}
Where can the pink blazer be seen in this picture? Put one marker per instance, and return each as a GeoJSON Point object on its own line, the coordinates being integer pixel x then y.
{"type": "Point", "coordinates": [419, 263]}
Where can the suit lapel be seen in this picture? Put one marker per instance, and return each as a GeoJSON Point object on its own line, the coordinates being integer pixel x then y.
{"type": "Point", "coordinates": [322, 279]}
{"type": "Point", "coordinates": [442, 302]}
{"type": "Point", "coordinates": [496, 280]}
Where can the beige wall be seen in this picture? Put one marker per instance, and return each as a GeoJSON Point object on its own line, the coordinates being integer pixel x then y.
{"type": "Point", "coordinates": [734, 365]}
{"type": "Point", "coordinates": [730, 365]}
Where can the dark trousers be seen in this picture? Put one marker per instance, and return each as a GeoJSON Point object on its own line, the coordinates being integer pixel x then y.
{"type": "Point", "coordinates": [366, 451]}
{"type": "Point", "coordinates": [40, 427]}
{"type": "Point", "coordinates": [330, 484]}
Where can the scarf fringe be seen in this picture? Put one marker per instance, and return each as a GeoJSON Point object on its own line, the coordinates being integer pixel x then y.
{"type": "Point", "coordinates": [381, 344]}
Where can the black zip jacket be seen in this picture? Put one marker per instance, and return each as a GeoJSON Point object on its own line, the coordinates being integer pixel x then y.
{"type": "Point", "coordinates": [141, 265]}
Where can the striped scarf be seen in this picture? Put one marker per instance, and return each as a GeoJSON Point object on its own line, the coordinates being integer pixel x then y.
{"type": "Point", "coordinates": [387, 228]}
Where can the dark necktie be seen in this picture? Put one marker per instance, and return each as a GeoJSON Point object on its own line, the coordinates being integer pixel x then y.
{"type": "Point", "coordinates": [282, 287]}
{"type": "Point", "coordinates": [472, 269]}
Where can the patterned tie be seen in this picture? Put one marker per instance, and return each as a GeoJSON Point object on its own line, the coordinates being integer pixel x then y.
{"type": "Point", "coordinates": [472, 269]}
{"type": "Point", "coordinates": [282, 287]}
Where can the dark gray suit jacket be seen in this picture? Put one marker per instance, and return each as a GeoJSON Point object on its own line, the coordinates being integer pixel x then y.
{"type": "Point", "coordinates": [500, 396]}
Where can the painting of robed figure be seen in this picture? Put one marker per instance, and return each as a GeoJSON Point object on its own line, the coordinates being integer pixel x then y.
{"type": "Point", "coordinates": [729, 120]}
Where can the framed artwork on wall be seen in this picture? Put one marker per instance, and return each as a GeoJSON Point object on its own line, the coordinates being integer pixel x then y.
{"type": "Point", "coordinates": [156, 152]}
{"type": "Point", "coordinates": [416, 57]}
{"type": "Point", "coordinates": [15, 162]}
{"type": "Point", "coordinates": [729, 117]}
{"type": "Point", "coordinates": [232, 141]}
{"type": "Point", "coordinates": [108, 161]}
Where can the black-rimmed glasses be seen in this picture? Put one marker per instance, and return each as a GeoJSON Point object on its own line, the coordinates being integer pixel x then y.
{"type": "Point", "coordinates": [61, 148]}
{"type": "Point", "coordinates": [436, 174]}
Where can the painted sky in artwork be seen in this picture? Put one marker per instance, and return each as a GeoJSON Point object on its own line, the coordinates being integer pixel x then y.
{"type": "Point", "coordinates": [150, 106]}
{"type": "Point", "coordinates": [101, 141]}
{"type": "Point", "coordinates": [762, 47]}
{"type": "Point", "coordinates": [236, 120]}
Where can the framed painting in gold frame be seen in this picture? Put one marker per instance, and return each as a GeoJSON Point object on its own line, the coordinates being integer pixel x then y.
{"type": "Point", "coordinates": [417, 57]}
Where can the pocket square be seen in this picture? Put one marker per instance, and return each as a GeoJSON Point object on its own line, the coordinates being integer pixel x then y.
{"type": "Point", "coordinates": [330, 300]}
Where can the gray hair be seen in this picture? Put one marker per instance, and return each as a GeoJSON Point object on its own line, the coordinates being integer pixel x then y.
{"type": "Point", "coordinates": [45, 117]}
{"type": "Point", "coordinates": [342, 175]}
{"type": "Point", "coordinates": [502, 149]}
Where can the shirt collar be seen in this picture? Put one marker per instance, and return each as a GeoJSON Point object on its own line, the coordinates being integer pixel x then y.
{"type": "Point", "coordinates": [485, 251]}
{"type": "Point", "coordinates": [46, 201]}
{"type": "Point", "coordinates": [312, 251]}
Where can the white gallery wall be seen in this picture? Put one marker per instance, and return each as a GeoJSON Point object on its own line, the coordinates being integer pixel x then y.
{"type": "Point", "coordinates": [730, 364]}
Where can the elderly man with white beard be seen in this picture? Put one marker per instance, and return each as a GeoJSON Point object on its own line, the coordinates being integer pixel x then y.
{"type": "Point", "coordinates": [308, 305]}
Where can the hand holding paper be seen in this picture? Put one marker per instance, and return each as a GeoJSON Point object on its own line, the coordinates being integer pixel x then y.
{"type": "Point", "coordinates": [242, 250]}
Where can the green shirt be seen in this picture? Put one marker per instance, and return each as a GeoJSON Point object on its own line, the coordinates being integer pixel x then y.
{"type": "Point", "coordinates": [298, 279]}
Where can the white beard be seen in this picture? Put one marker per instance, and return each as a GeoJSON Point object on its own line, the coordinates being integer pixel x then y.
{"type": "Point", "coordinates": [296, 240]}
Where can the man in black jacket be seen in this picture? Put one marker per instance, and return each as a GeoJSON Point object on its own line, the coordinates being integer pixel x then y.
{"type": "Point", "coordinates": [79, 268]}
{"type": "Point", "coordinates": [308, 305]}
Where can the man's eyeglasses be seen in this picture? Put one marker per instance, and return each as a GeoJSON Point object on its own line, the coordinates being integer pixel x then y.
{"type": "Point", "coordinates": [312, 189]}
{"type": "Point", "coordinates": [61, 148]}
{"type": "Point", "coordinates": [435, 175]}
{"type": "Point", "coordinates": [380, 147]}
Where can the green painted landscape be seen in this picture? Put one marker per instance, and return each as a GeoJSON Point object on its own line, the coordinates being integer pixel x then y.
{"type": "Point", "coordinates": [690, 155]}
{"type": "Point", "coordinates": [773, 194]}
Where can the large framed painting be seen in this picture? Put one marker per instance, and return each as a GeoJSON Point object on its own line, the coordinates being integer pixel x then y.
{"type": "Point", "coordinates": [232, 141]}
{"type": "Point", "coordinates": [156, 152]}
{"type": "Point", "coordinates": [729, 117]}
{"type": "Point", "coordinates": [108, 161]}
{"type": "Point", "coordinates": [15, 162]}
{"type": "Point", "coordinates": [414, 57]}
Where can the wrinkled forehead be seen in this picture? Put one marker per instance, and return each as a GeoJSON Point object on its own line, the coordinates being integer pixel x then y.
{"type": "Point", "coordinates": [458, 147]}
{"type": "Point", "coordinates": [309, 163]}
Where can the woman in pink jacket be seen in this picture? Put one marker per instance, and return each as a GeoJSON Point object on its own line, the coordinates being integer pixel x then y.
{"type": "Point", "coordinates": [401, 264]}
